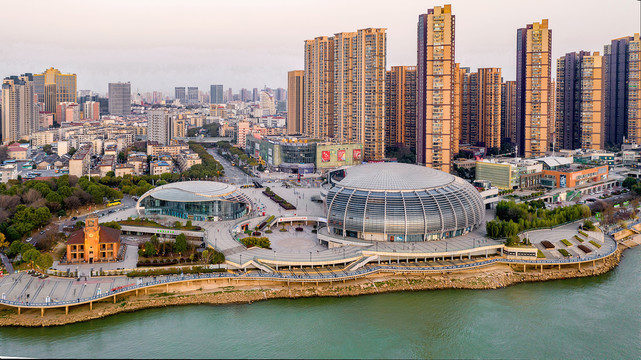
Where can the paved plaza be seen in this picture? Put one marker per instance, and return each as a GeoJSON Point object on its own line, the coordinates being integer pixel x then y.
{"type": "Point", "coordinates": [568, 232]}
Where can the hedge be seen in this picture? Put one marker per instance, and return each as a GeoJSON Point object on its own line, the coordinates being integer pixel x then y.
{"type": "Point", "coordinates": [595, 244]}
{"type": "Point", "coordinates": [564, 252]}
{"type": "Point", "coordinates": [173, 271]}
{"type": "Point", "coordinates": [566, 243]}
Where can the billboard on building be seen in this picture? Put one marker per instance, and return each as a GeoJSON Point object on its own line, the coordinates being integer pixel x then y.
{"type": "Point", "coordinates": [341, 155]}
{"type": "Point", "coordinates": [357, 154]}
{"type": "Point", "coordinates": [325, 156]}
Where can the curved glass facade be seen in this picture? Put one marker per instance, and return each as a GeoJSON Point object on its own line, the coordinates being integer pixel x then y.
{"type": "Point", "coordinates": [200, 211]}
{"type": "Point", "coordinates": [404, 215]}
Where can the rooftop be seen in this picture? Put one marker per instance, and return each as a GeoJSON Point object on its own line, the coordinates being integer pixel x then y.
{"type": "Point", "coordinates": [394, 176]}
{"type": "Point", "coordinates": [189, 191]}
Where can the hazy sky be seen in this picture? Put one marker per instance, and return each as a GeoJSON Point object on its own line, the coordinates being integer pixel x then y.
{"type": "Point", "coordinates": [159, 44]}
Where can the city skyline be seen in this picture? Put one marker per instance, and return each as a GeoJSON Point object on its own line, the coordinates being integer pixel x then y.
{"type": "Point", "coordinates": [219, 53]}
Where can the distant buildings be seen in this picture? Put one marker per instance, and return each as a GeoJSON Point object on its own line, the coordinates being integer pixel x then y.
{"type": "Point", "coordinates": [19, 115]}
{"type": "Point", "coordinates": [267, 105]}
{"type": "Point", "coordinates": [180, 94]}
{"type": "Point", "coordinates": [295, 107]}
{"type": "Point", "coordinates": [192, 95]}
{"type": "Point", "coordinates": [120, 99]}
{"type": "Point", "coordinates": [53, 87]}
{"type": "Point", "coordinates": [158, 126]}
{"type": "Point", "coordinates": [216, 94]}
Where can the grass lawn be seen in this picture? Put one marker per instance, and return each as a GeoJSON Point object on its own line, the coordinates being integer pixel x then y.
{"type": "Point", "coordinates": [539, 254]}
{"type": "Point", "coordinates": [578, 238]}
{"type": "Point", "coordinates": [595, 244]}
{"type": "Point", "coordinates": [564, 252]}
{"type": "Point", "coordinates": [566, 242]}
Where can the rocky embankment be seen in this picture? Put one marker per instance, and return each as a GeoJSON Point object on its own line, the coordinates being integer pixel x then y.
{"type": "Point", "coordinates": [492, 277]}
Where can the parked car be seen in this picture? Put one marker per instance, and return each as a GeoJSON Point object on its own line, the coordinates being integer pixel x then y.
{"type": "Point", "coordinates": [74, 218]}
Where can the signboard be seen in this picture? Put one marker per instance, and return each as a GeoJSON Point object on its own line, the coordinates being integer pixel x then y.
{"type": "Point", "coordinates": [325, 156]}
{"type": "Point", "coordinates": [357, 154]}
{"type": "Point", "coordinates": [341, 155]}
{"type": "Point", "coordinates": [562, 182]}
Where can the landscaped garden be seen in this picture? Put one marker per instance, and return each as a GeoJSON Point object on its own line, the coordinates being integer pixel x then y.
{"type": "Point", "coordinates": [279, 200]}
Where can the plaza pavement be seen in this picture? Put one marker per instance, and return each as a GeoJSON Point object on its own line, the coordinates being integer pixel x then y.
{"type": "Point", "coordinates": [567, 232]}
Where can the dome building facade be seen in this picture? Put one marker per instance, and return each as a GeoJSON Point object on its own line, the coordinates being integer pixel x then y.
{"type": "Point", "coordinates": [195, 200]}
{"type": "Point", "coordinates": [402, 202]}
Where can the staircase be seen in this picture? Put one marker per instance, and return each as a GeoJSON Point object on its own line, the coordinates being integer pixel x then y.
{"type": "Point", "coordinates": [360, 262]}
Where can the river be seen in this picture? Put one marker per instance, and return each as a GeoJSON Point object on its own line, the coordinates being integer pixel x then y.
{"type": "Point", "coordinates": [597, 317]}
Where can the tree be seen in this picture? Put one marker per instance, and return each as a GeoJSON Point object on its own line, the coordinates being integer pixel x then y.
{"type": "Point", "coordinates": [31, 256]}
{"type": "Point", "coordinates": [3, 242]}
{"type": "Point", "coordinates": [180, 245]}
{"type": "Point", "coordinates": [122, 158]}
{"type": "Point", "coordinates": [47, 149]}
{"type": "Point", "coordinates": [150, 250]}
{"type": "Point", "coordinates": [205, 256]}
{"type": "Point", "coordinates": [72, 151]}
{"type": "Point", "coordinates": [44, 261]}
{"type": "Point", "coordinates": [188, 224]}
{"type": "Point", "coordinates": [112, 224]}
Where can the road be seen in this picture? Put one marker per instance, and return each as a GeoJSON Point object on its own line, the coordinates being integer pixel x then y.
{"type": "Point", "coordinates": [232, 174]}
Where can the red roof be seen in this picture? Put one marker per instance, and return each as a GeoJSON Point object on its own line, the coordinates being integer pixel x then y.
{"type": "Point", "coordinates": [107, 235]}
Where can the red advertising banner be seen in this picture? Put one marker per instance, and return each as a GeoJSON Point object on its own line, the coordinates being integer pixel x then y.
{"type": "Point", "coordinates": [357, 154]}
{"type": "Point", "coordinates": [325, 156]}
{"type": "Point", "coordinates": [341, 155]}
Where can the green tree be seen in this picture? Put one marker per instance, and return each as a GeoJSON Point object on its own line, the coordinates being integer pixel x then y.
{"type": "Point", "coordinates": [47, 149]}
{"type": "Point", "coordinates": [205, 255]}
{"type": "Point", "coordinates": [44, 261]}
{"type": "Point", "coordinates": [180, 245]}
{"type": "Point", "coordinates": [150, 250]}
{"type": "Point", "coordinates": [14, 248]}
{"type": "Point", "coordinates": [188, 224]}
{"type": "Point", "coordinates": [31, 256]}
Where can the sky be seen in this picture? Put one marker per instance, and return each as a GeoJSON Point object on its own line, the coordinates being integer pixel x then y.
{"type": "Point", "coordinates": [160, 44]}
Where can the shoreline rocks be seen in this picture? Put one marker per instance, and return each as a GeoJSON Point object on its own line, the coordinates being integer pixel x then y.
{"type": "Point", "coordinates": [491, 277]}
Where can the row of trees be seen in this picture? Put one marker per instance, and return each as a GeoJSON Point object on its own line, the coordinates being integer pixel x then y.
{"type": "Point", "coordinates": [25, 206]}
{"type": "Point", "coordinates": [512, 218]}
{"type": "Point", "coordinates": [210, 168]}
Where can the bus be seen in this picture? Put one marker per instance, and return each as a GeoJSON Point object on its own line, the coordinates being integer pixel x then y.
{"type": "Point", "coordinates": [114, 203]}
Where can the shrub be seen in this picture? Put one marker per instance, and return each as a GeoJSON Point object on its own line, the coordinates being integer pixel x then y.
{"type": "Point", "coordinates": [173, 271]}
{"type": "Point", "coordinates": [539, 254]}
{"type": "Point", "coordinates": [588, 225]}
{"type": "Point", "coordinates": [268, 231]}
{"type": "Point", "coordinates": [251, 241]}
{"type": "Point", "coordinates": [282, 230]}
{"type": "Point", "coordinates": [566, 243]}
{"type": "Point", "coordinates": [576, 237]}
{"type": "Point", "coordinates": [548, 245]}
{"type": "Point", "coordinates": [564, 252]}
{"type": "Point", "coordinates": [583, 233]}
{"type": "Point", "coordinates": [598, 246]}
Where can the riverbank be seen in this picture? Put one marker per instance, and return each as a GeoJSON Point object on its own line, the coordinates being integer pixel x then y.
{"type": "Point", "coordinates": [222, 292]}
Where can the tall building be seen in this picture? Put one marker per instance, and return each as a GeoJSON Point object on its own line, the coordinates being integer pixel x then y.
{"type": "Point", "coordinates": [120, 99]}
{"type": "Point", "coordinates": [19, 116]}
{"type": "Point", "coordinates": [91, 110]}
{"type": "Point", "coordinates": [267, 104]}
{"type": "Point", "coordinates": [508, 111]}
{"type": "Point", "coordinates": [400, 106]}
{"type": "Point", "coordinates": [192, 95]}
{"type": "Point", "coordinates": [469, 107]}
{"type": "Point", "coordinates": [592, 102]}
{"type": "Point", "coordinates": [318, 87]}
{"type": "Point", "coordinates": [216, 94]}
{"type": "Point", "coordinates": [295, 80]}
{"type": "Point", "coordinates": [255, 95]}
{"type": "Point", "coordinates": [230, 95]}
{"type": "Point", "coordinates": [53, 87]}
{"type": "Point", "coordinates": [359, 89]}
{"type": "Point", "coordinates": [568, 100]}
{"type": "Point", "coordinates": [489, 107]}
{"type": "Point", "coordinates": [435, 83]}
{"type": "Point", "coordinates": [459, 74]}
{"type": "Point", "coordinates": [622, 82]}
{"type": "Point", "coordinates": [159, 126]}
{"type": "Point", "coordinates": [180, 94]}
{"type": "Point", "coordinates": [533, 88]}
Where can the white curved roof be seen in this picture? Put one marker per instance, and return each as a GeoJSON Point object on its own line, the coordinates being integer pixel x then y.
{"type": "Point", "coordinates": [394, 176]}
{"type": "Point", "coordinates": [193, 191]}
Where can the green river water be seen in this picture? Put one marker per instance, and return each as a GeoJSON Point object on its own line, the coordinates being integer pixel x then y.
{"type": "Point", "coordinates": [596, 317]}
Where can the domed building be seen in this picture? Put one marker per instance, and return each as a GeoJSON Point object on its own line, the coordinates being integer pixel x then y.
{"type": "Point", "coordinates": [195, 200]}
{"type": "Point", "coordinates": [402, 202]}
